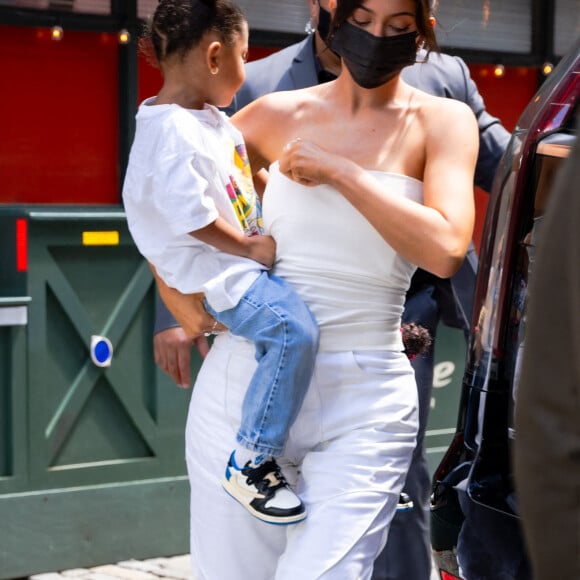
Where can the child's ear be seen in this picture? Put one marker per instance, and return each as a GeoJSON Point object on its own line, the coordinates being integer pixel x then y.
{"type": "Point", "coordinates": [213, 56]}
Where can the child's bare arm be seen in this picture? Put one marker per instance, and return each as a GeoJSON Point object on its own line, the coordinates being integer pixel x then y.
{"type": "Point", "coordinates": [223, 236]}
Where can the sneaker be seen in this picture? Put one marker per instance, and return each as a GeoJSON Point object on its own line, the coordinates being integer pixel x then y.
{"type": "Point", "coordinates": [261, 488]}
{"type": "Point", "coordinates": [405, 502]}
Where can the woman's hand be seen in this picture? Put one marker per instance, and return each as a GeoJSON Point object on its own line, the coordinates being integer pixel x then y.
{"type": "Point", "coordinates": [306, 163]}
{"type": "Point", "coordinates": [187, 309]}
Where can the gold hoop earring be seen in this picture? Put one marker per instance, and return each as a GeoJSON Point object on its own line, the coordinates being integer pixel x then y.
{"type": "Point", "coordinates": [215, 71]}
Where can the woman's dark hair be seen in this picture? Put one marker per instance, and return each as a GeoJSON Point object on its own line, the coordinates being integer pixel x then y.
{"type": "Point", "coordinates": [178, 25]}
{"type": "Point", "coordinates": [345, 8]}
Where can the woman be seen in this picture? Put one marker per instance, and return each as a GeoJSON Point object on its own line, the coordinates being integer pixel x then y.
{"type": "Point", "coordinates": [368, 178]}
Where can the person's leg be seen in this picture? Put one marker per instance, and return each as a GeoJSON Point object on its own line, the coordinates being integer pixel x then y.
{"type": "Point", "coordinates": [491, 545]}
{"type": "Point", "coordinates": [226, 541]}
{"type": "Point", "coordinates": [356, 433]}
{"type": "Point", "coordinates": [408, 551]}
{"type": "Point", "coordinates": [285, 335]}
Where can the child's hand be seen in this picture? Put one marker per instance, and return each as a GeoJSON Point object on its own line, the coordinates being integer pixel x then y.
{"type": "Point", "coordinates": [262, 249]}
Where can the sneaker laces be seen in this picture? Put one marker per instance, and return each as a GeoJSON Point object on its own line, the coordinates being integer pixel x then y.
{"type": "Point", "coordinates": [257, 476]}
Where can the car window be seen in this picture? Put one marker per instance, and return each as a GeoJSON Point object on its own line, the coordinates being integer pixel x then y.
{"type": "Point", "coordinates": [550, 153]}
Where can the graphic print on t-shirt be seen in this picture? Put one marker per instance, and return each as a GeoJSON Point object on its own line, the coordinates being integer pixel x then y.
{"type": "Point", "coordinates": [243, 195]}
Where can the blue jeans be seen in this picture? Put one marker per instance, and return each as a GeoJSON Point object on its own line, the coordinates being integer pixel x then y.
{"type": "Point", "coordinates": [285, 335]}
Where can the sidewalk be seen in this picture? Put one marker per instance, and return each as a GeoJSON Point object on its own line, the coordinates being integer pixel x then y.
{"type": "Point", "coordinates": [171, 568]}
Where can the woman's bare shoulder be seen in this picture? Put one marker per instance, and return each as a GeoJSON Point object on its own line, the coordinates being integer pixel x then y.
{"type": "Point", "coordinates": [441, 116]}
{"type": "Point", "coordinates": [443, 109]}
{"type": "Point", "coordinates": [433, 105]}
{"type": "Point", "coordinates": [279, 102]}
{"type": "Point", "coordinates": [270, 121]}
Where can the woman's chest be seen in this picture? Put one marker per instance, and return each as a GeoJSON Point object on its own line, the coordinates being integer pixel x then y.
{"type": "Point", "coordinates": [378, 144]}
{"type": "Point", "coordinates": [315, 225]}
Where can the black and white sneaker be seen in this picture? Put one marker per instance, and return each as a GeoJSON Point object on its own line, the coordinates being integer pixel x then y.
{"type": "Point", "coordinates": [261, 488]}
{"type": "Point", "coordinates": [405, 502]}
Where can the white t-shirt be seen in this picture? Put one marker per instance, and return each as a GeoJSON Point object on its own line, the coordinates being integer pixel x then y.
{"type": "Point", "coordinates": [186, 167]}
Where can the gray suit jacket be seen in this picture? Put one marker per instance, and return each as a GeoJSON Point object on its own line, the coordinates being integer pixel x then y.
{"type": "Point", "coordinates": [294, 67]}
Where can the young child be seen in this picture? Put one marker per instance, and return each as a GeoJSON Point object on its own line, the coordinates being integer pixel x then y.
{"type": "Point", "coordinates": [193, 213]}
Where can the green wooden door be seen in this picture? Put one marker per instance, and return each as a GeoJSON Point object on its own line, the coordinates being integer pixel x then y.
{"type": "Point", "coordinates": [92, 457]}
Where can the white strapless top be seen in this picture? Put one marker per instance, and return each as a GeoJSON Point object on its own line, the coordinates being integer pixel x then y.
{"type": "Point", "coordinates": [352, 280]}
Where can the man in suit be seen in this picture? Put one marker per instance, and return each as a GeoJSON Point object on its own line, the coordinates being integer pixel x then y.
{"type": "Point", "coordinates": [407, 555]}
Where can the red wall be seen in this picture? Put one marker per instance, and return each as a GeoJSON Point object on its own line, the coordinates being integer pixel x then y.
{"type": "Point", "coordinates": [59, 131]}
{"type": "Point", "coordinates": [150, 77]}
{"type": "Point", "coordinates": [506, 98]}
{"type": "Point", "coordinates": [59, 127]}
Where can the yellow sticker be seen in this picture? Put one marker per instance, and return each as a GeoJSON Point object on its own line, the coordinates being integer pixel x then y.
{"type": "Point", "coordinates": [100, 238]}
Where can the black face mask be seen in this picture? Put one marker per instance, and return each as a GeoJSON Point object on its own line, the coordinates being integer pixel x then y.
{"type": "Point", "coordinates": [323, 23]}
{"type": "Point", "coordinates": [373, 60]}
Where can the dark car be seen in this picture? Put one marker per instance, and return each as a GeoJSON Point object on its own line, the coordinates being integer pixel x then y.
{"type": "Point", "coordinates": [474, 511]}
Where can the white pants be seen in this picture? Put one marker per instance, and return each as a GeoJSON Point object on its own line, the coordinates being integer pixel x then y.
{"type": "Point", "coordinates": [347, 455]}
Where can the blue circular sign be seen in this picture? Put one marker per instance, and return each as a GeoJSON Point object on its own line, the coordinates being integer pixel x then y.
{"type": "Point", "coordinates": [101, 351]}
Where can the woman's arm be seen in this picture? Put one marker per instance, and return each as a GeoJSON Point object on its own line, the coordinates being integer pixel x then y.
{"type": "Point", "coordinates": [187, 309]}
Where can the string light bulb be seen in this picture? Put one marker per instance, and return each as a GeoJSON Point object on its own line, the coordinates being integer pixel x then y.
{"type": "Point", "coordinates": [498, 70]}
{"type": "Point", "coordinates": [547, 68]}
{"type": "Point", "coordinates": [56, 33]}
{"type": "Point", "coordinates": [124, 36]}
